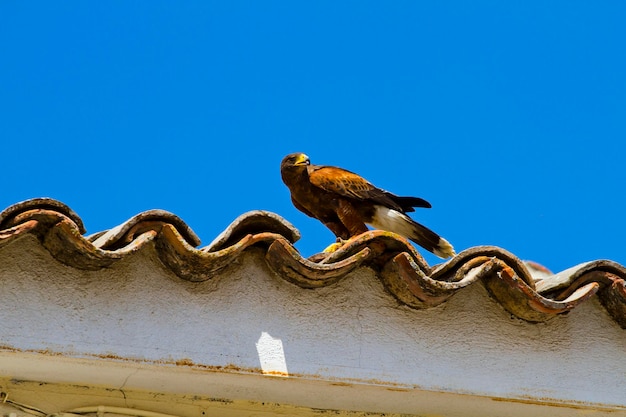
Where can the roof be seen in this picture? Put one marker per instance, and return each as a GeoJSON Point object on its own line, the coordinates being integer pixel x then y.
{"type": "Point", "coordinates": [525, 289]}
{"type": "Point", "coordinates": [143, 315]}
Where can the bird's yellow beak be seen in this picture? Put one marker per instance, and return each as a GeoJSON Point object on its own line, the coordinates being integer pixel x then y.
{"type": "Point", "coordinates": [302, 160]}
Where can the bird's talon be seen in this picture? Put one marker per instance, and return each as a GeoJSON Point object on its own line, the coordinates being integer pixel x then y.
{"type": "Point", "coordinates": [335, 246]}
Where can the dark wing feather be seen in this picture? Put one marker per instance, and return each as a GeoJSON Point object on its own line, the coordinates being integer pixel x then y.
{"type": "Point", "coordinates": [407, 203]}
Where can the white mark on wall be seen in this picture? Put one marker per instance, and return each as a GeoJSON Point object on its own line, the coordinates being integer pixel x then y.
{"type": "Point", "coordinates": [271, 355]}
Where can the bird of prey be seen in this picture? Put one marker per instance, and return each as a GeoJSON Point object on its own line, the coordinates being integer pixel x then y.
{"type": "Point", "coordinates": [345, 202]}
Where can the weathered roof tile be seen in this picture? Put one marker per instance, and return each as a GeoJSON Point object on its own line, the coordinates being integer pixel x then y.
{"type": "Point", "coordinates": [526, 290]}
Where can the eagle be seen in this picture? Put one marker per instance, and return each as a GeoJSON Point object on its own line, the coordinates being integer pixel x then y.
{"type": "Point", "coordinates": [346, 203]}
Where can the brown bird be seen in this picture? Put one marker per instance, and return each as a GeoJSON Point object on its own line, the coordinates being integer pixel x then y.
{"type": "Point", "coordinates": [345, 202]}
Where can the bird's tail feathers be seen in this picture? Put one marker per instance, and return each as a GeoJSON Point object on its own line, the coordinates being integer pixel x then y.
{"type": "Point", "coordinates": [388, 219]}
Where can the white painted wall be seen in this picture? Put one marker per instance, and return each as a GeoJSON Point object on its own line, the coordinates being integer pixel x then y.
{"type": "Point", "coordinates": [352, 332]}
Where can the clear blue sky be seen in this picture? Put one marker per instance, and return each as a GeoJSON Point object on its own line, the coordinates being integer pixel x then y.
{"type": "Point", "coordinates": [508, 116]}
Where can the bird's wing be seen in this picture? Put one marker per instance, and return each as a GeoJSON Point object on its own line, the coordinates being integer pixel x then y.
{"type": "Point", "coordinates": [348, 184]}
{"type": "Point", "coordinates": [340, 181]}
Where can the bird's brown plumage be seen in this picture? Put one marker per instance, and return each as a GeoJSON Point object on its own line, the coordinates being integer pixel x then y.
{"type": "Point", "coordinates": [345, 202]}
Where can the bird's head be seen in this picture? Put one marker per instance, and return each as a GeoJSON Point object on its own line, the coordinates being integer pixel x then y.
{"type": "Point", "coordinates": [295, 160]}
{"type": "Point", "coordinates": [293, 165]}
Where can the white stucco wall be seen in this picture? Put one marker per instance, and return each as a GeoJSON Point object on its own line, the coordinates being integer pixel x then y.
{"type": "Point", "coordinates": [248, 320]}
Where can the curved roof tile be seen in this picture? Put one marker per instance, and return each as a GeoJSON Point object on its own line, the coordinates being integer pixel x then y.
{"type": "Point", "coordinates": [526, 290]}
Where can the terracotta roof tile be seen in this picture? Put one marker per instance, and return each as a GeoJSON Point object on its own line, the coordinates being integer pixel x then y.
{"type": "Point", "coordinates": [525, 289]}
